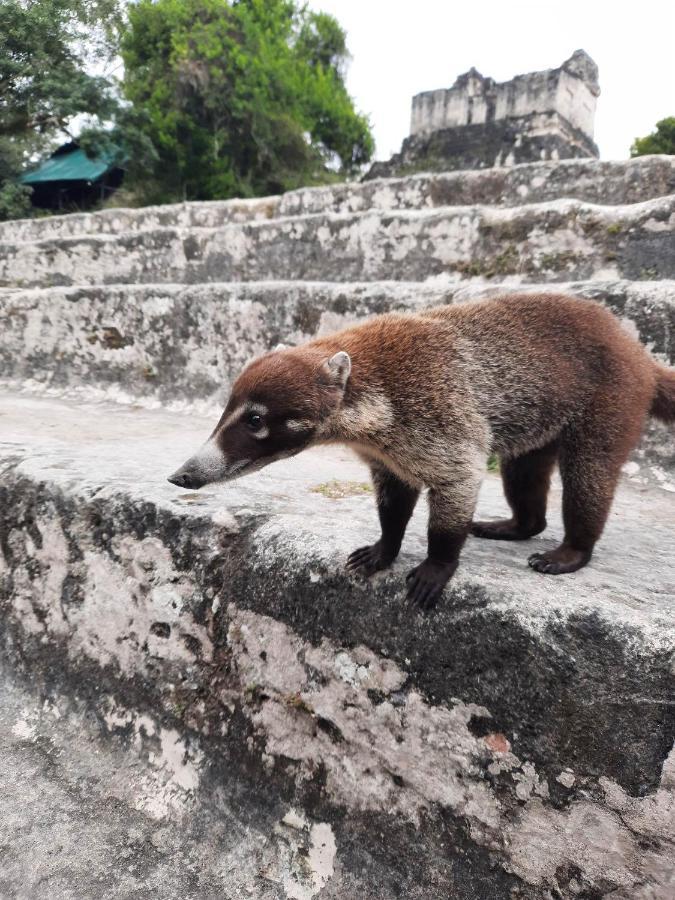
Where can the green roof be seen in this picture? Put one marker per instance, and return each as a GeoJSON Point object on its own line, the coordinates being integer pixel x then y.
{"type": "Point", "coordinates": [74, 165]}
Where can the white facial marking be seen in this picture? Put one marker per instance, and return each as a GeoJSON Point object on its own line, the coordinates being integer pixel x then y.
{"type": "Point", "coordinates": [298, 424]}
{"type": "Point", "coordinates": [233, 416]}
{"type": "Point", "coordinates": [209, 461]}
{"type": "Point", "coordinates": [258, 408]}
{"type": "Point", "coordinates": [262, 433]}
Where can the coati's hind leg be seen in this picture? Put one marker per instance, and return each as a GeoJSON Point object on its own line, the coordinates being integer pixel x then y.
{"type": "Point", "coordinates": [395, 504]}
{"type": "Point", "coordinates": [590, 466]}
{"type": "Point", "coordinates": [526, 481]}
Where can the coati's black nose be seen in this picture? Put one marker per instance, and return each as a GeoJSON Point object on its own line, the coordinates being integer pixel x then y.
{"type": "Point", "coordinates": [186, 479]}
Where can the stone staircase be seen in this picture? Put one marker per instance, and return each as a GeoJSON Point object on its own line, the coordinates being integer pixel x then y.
{"type": "Point", "coordinates": [517, 742]}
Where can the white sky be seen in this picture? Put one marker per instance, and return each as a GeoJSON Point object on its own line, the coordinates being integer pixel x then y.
{"type": "Point", "coordinates": [402, 47]}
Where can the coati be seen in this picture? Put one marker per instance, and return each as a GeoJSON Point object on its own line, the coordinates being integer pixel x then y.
{"type": "Point", "coordinates": [425, 397]}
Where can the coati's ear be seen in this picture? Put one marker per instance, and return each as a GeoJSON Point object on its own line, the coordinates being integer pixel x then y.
{"type": "Point", "coordinates": [338, 368]}
{"type": "Point", "coordinates": [280, 346]}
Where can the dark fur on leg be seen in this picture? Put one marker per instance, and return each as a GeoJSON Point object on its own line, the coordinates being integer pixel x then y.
{"type": "Point", "coordinates": [395, 504]}
{"type": "Point", "coordinates": [426, 581]}
{"type": "Point", "coordinates": [590, 466]}
{"type": "Point", "coordinates": [526, 481]}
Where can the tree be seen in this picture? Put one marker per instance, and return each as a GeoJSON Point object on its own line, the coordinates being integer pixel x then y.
{"type": "Point", "coordinates": [245, 97]}
{"type": "Point", "coordinates": [661, 140]}
{"type": "Point", "coordinates": [46, 48]}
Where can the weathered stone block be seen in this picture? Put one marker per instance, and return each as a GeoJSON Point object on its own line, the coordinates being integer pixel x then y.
{"type": "Point", "coordinates": [558, 241]}
{"type": "Point", "coordinates": [182, 344]}
{"type": "Point", "coordinates": [479, 123]}
{"type": "Point", "coordinates": [505, 741]}
{"type": "Point", "coordinates": [607, 182]}
{"type": "Point", "coordinates": [509, 142]}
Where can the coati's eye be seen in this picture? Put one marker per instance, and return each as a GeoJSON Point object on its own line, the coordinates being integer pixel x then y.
{"type": "Point", "coordinates": [253, 421]}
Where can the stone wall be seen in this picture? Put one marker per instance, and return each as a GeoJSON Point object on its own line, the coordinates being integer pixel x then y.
{"type": "Point", "coordinates": [570, 90]}
{"type": "Point", "coordinates": [561, 240]}
{"type": "Point", "coordinates": [610, 183]}
{"type": "Point", "coordinates": [479, 123]}
{"type": "Point", "coordinates": [537, 136]}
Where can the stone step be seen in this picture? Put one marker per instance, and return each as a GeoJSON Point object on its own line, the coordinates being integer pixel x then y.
{"type": "Point", "coordinates": [591, 180]}
{"type": "Point", "coordinates": [557, 241]}
{"type": "Point", "coordinates": [175, 344]}
{"type": "Point", "coordinates": [497, 745]}
{"type": "Point", "coordinates": [629, 181]}
{"type": "Point", "coordinates": [197, 214]}
{"type": "Point", "coordinates": [182, 346]}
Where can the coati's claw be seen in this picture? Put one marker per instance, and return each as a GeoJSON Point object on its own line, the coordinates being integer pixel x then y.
{"type": "Point", "coordinates": [368, 560]}
{"type": "Point", "coordinates": [426, 582]}
{"type": "Point", "coordinates": [559, 561]}
{"type": "Point", "coordinates": [505, 530]}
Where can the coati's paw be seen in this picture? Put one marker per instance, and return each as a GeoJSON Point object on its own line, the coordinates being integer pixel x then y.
{"type": "Point", "coordinates": [505, 530]}
{"type": "Point", "coordinates": [559, 561]}
{"type": "Point", "coordinates": [426, 582]}
{"type": "Point", "coordinates": [368, 560]}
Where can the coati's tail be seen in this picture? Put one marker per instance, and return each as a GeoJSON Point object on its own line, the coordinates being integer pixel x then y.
{"type": "Point", "coordinates": [663, 404]}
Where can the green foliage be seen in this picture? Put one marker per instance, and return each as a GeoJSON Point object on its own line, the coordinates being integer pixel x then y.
{"type": "Point", "coordinates": [45, 46]}
{"type": "Point", "coordinates": [222, 97]}
{"type": "Point", "coordinates": [14, 199]}
{"type": "Point", "coordinates": [661, 140]}
{"type": "Point", "coordinates": [241, 98]}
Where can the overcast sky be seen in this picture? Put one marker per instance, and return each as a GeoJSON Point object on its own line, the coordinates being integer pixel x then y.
{"type": "Point", "coordinates": [402, 47]}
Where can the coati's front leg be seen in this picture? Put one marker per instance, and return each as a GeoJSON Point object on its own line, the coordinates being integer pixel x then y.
{"type": "Point", "coordinates": [395, 504]}
{"type": "Point", "coordinates": [451, 508]}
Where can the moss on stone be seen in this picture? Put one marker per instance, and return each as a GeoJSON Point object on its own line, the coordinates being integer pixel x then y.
{"type": "Point", "coordinates": [493, 464]}
{"type": "Point", "coordinates": [505, 263]}
{"type": "Point", "coordinates": [556, 262]}
{"type": "Point", "coordinates": [338, 490]}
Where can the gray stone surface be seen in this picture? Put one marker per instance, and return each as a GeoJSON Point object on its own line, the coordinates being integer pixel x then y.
{"type": "Point", "coordinates": [182, 346]}
{"type": "Point", "coordinates": [187, 343]}
{"type": "Point", "coordinates": [217, 634]}
{"type": "Point", "coordinates": [488, 145]}
{"type": "Point", "coordinates": [608, 182]}
{"type": "Point", "coordinates": [560, 240]}
{"type": "Point", "coordinates": [205, 214]}
{"type": "Point", "coordinates": [592, 180]}
{"type": "Point", "coordinates": [93, 819]}
{"type": "Point", "coordinates": [570, 91]}
{"type": "Point", "coordinates": [480, 123]}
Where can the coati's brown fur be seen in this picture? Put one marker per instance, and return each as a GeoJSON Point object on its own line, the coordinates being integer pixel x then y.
{"type": "Point", "coordinates": [424, 398]}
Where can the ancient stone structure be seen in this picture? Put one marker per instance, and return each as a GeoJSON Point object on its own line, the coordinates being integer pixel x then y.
{"type": "Point", "coordinates": [197, 700]}
{"type": "Point", "coordinates": [479, 123]}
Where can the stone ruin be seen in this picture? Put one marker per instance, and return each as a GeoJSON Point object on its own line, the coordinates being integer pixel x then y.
{"type": "Point", "coordinates": [197, 699]}
{"type": "Point", "coordinates": [479, 123]}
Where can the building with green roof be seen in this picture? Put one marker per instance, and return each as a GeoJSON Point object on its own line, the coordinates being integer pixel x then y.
{"type": "Point", "coordinates": [70, 179]}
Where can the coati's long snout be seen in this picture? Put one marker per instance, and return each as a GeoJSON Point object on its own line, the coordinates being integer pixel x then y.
{"type": "Point", "coordinates": [423, 398]}
{"type": "Point", "coordinates": [208, 465]}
